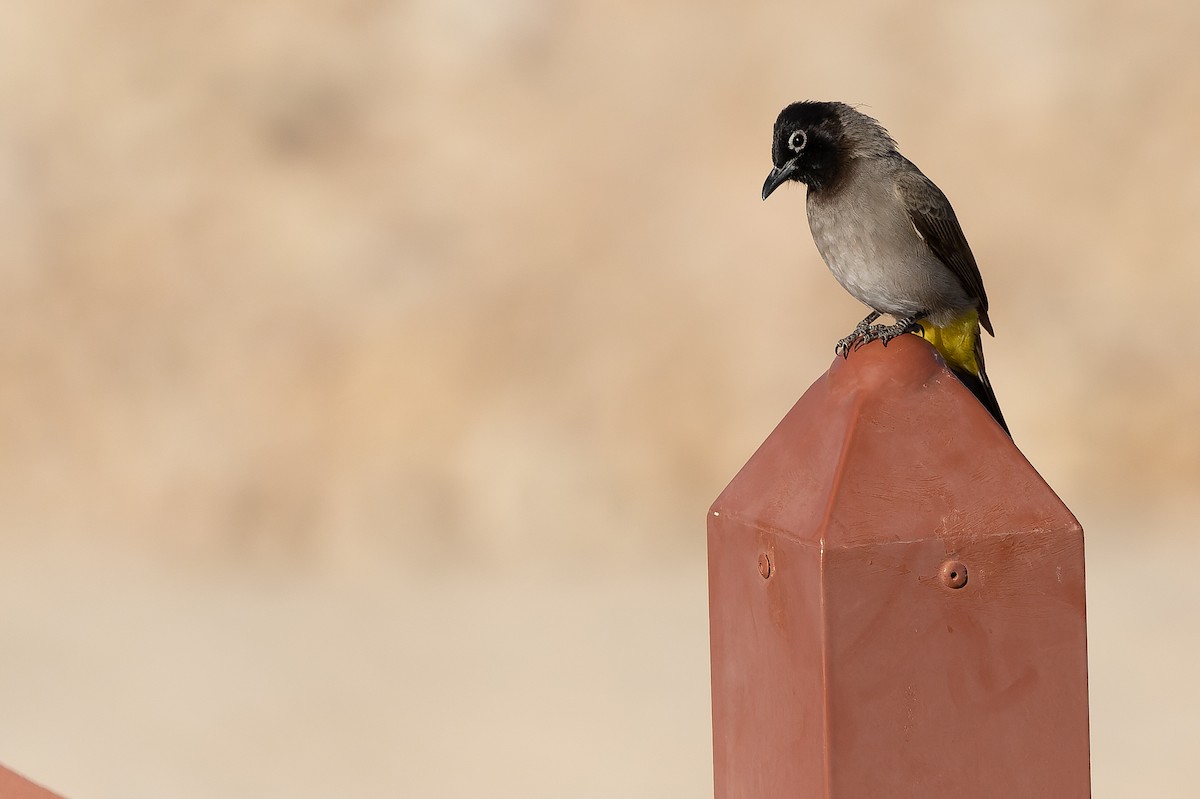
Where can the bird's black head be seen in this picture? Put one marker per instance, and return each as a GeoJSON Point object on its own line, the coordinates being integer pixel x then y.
{"type": "Point", "coordinates": [808, 144]}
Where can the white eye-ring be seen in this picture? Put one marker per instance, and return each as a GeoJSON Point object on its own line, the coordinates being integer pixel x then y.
{"type": "Point", "coordinates": [797, 141]}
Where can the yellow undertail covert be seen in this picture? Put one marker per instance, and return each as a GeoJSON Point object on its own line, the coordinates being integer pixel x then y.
{"type": "Point", "coordinates": [957, 342]}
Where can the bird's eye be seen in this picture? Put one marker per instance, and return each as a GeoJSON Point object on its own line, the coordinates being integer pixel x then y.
{"type": "Point", "coordinates": [797, 141]}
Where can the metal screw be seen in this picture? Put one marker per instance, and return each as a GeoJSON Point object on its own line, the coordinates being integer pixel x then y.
{"type": "Point", "coordinates": [954, 573]}
{"type": "Point", "coordinates": [764, 565]}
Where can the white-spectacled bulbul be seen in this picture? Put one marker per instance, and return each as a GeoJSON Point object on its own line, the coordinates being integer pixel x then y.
{"type": "Point", "coordinates": [887, 233]}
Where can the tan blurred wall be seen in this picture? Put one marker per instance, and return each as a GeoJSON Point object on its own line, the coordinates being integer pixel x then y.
{"type": "Point", "coordinates": [331, 284]}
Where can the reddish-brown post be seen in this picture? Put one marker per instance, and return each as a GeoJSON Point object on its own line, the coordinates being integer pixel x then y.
{"type": "Point", "coordinates": [14, 786]}
{"type": "Point", "coordinates": [896, 601]}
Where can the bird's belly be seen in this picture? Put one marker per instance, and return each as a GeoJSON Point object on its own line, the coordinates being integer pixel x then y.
{"type": "Point", "coordinates": [884, 266]}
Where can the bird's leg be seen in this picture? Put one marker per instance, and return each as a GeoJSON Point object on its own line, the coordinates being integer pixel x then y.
{"type": "Point", "coordinates": [843, 347]}
{"type": "Point", "coordinates": [886, 333]}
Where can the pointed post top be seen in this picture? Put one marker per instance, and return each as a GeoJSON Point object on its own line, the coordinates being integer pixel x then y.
{"type": "Point", "coordinates": [889, 446]}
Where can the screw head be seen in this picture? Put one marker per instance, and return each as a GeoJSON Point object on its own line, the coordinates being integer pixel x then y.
{"type": "Point", "coordinates": [954, 573]}
{"type": "Point", "coordinates": [764, 565]}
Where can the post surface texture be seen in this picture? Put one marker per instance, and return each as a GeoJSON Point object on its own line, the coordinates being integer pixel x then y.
{"type": "Point", "coordinates": [896, 601]}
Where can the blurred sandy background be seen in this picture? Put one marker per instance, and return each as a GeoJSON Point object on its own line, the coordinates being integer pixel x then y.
{"type": "Point", "coordinates": [366, 368]}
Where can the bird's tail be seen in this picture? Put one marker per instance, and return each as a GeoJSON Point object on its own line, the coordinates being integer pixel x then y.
{"type": "Point", "coordinates": [960, 344]}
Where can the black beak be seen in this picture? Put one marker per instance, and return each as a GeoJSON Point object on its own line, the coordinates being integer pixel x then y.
{"type": "Point", "coordinates": [778, 176]}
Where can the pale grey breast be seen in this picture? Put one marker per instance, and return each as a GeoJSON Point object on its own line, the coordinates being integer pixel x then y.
{"type": "Point", "coordinates": [863, 231]}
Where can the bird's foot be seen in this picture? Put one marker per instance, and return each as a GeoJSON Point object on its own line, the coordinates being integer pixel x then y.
{"type": "Point", "coordinates": [849, 342]}
{"type": "Point", "coordinates": [885, 333]}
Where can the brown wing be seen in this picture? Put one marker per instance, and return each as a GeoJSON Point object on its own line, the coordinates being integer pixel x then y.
{"type": "Point", "coordinates": [934, 220]}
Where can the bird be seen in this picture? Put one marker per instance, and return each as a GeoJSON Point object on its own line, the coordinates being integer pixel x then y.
{"type": "Point", "coordinates": [888, 234]}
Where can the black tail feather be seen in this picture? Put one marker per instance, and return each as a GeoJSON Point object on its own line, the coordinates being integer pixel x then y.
{"type": "Point", "coordinates": [981, 387]}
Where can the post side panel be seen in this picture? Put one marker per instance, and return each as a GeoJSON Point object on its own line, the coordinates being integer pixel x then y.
{"type": "Point", "coordinates": [14, 786]}
{"type": "Point", "coordinates": [979, 691]}
{"type": "Point", "coordinates": [767, 682]}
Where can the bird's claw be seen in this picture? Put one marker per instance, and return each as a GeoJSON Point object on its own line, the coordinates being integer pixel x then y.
{"type": "Point", "coordinates": [844, 346]}
{"type": "Point", "coordinates": [866, 333]}
{"type": "Point", "coordinates": [890, 332]}
{"type": "Point", "coordinates": [854, 340]}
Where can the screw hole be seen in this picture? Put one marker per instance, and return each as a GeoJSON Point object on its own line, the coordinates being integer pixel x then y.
{"type": "Point", "coordinates": [765, 567]}
{"type": "Point", "coordinates": [954, 574]}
